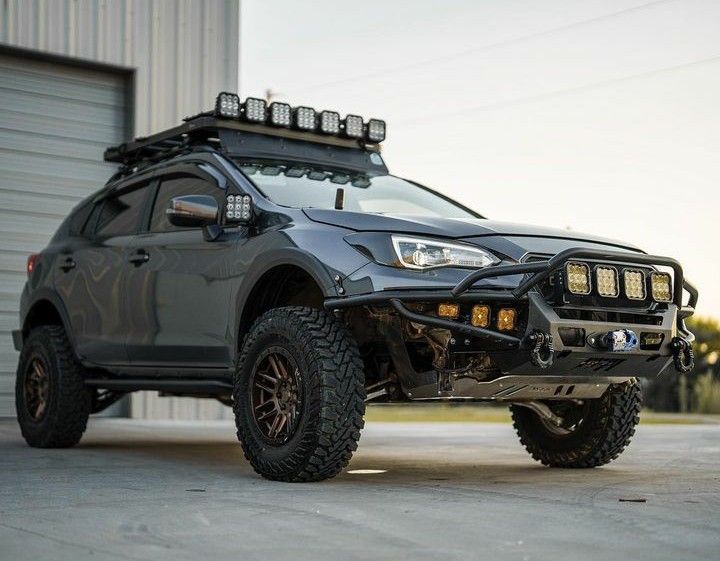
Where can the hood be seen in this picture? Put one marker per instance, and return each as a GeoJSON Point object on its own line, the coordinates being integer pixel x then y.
{"type": "Point", "coordinates": [534, 239]}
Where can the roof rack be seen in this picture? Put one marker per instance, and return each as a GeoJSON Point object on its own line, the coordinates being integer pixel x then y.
{"type": "Point", "coordinates": [204, 127]}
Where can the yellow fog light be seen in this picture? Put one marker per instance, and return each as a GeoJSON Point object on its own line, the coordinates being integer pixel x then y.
{"type": "Point", "coordinates": [450, 311]}
{"type": "Point", "coordinates": [606, 279]}
{"type": "Point", "coordinates": [578, 278]}
{"type": "Point", "coordinates": [634, 284]}
{"type": "Point", "coordinates": [506, 319]}
{"type": "Point", "coordinates": [480, 316]}
{"type": "Point", "coordinates": [661, 285]}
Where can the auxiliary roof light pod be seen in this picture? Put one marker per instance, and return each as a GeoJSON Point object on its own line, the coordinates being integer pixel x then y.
{"type": "Point", "coordinates": [255, 110]}
{"type": "Point", "coordinates": [227, 105]}
{"type": "Point", "coordinates": [280, 114]}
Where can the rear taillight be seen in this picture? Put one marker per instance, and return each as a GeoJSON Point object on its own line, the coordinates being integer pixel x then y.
{"type": "Point", "coordinates": [32, 262]}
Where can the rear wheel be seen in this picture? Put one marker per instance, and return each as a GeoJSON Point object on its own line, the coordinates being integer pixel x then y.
{"type": "Point", "coordinates": [592, 432]}
{"type": "Point", "coordinates": [299, 395]}
{"type": "Point", "coordinates": [52, 402]}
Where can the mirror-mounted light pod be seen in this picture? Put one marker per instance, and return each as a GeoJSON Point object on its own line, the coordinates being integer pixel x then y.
{"type": "Point", "coordinates": [255, 110]}
{"type": "Point", "coordinates": [354, 126]}
{"type": "Point", "coordinates": [238, 208]}
{"type": "Point", "coordinates": [305, 118]}
{"type": "Point", "coordinates": [329, 122]}
{"type": "Point", "coordinates": [661, 287]}
{"type": "Point", "coordinates": [280, 114]}
{"type": "Point", "coordinates": [227, 105]}
{"type": "Point", "coordinates": [376, 130]}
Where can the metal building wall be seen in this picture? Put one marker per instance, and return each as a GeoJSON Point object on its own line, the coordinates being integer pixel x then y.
{"type": "Point", "coordinates": [182, 52]}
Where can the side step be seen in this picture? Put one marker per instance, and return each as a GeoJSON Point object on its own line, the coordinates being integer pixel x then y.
{"type": "Point", "coordinates": [173, 386]}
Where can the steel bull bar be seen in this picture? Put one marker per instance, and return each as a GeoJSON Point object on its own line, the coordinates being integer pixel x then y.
{"type": "Point", "coordinates": [537, 272]}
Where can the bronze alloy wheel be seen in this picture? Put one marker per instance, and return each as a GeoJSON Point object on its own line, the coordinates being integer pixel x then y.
{"type": "Point", "coordinates": [37, 389]}
{"type": "Point", "coordinates": [276, 395]}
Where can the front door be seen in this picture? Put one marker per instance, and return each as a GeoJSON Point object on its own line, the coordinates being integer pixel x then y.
{"type": "Point", "coordinates": [180, 292]}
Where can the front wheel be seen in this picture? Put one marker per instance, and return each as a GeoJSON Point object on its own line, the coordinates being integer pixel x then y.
{"type": "Point", "coordinates": [299, 395]}
{"type": "Point", "coordinates": [592, 432]}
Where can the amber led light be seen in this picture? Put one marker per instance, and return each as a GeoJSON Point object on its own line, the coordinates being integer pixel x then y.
{"type": "Point", "coordinates": [480, 316]}
{"type": "Point", "coordinates": [506, 319]}
{"type": "Point", "coordinates": [450, 311]}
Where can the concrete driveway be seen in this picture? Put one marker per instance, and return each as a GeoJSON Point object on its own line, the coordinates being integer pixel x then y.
{"type": "Point", "coordinates": [168, 490]}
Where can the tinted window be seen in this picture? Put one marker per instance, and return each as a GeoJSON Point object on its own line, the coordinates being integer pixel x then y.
{"type": "Point", "coordinates": [177, 186]}
{"type": "Point", "coordinates": [79, 218]}
{"type": "Point", "coordinates": [120, 215]}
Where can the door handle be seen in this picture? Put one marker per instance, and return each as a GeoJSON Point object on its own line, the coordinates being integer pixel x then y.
{"type": "Point", "coordinates": [68, 264]}
{"type": "Point", "coordinates": [139, 257]}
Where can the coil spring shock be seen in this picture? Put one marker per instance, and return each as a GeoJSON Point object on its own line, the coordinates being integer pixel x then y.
{"type": "Point", "coordinates": [683, 356]}
{"type": "Point", "coordinates": [542, 351]}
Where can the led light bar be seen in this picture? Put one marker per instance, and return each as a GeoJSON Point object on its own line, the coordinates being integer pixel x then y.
{"type": "Point", "coordinates": [661, 287]}
{"type": "Point", "coordinates": [227, 105]}
{"type": "Point", "coordinates": [578, 278]}
{"type": "Point", "coordinates": [606, 279]}
{"type": "Point", "coordinates": [280, 114]}
{"type": "Point", "coordinates": [255, 110]}
{"type": "Point", "coordinates": [354, 126]}
{"type": "Point", "coordinates": [329, 122]}
{"type": "Point", "coordinates": [634, 284]}
{"type": "Point", "coordinates": [376, 130]}
{"type": "Point", "coordinates": [305, 118]}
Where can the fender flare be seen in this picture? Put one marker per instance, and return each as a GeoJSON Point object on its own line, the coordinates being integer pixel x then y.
{"type": "Point", "coordinates": [276, 258]}
{"type": "Point", "coordinates": [47, 295]}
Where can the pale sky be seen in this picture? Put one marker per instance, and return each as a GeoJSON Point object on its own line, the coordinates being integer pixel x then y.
{"type": "Point", "coordinates": [602, 116]}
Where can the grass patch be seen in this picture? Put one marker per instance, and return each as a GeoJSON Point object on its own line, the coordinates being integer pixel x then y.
{"type": "Point", "coordinates": [450, 413]}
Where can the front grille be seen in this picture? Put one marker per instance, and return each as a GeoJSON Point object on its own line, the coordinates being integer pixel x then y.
{"type": "Point", "coordinates": [608, 316]}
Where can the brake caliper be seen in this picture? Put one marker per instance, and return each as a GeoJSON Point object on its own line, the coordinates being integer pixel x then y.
{"type": "Point", "coordinates": [683, 355]}
{"type": "Point", "coordinates": [542, 351]}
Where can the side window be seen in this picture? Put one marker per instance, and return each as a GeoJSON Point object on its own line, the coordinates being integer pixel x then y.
{"type": "Point", "coordinates": [177, 186]}
{"type": "Point", "coordinates": [120, 214]}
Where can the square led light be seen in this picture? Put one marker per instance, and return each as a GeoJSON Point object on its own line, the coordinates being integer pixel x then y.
{"type": "Point", "coordinates": [480, 316]}
{"type": "Point", "coordinates": [578, 278]}
{"type": "Point", "coordinates": [353, 126]}
{"type": "Point", "coordinates": [450, 311]}
{"type": "Point", "coordinates": [376, 130]}
{"type": "Point", "coordinates": [305, 118]}
{"type": "Point", "coordinates": [506, 319]}
{"type": "Point", "coordinates": [255, 110]}
{"type": "Point", "coordinates": [280, 114]}
{"type": "Point", "coordinates": [329, 122]}
{"type": "Point", "coordinates": [227, 105]}
{"type": "Point", "coordinates": [634, 284]}
{"type": "Point", "coordinates": [606, 281]}
{"type": "Point", "coordinates": [661, 285]}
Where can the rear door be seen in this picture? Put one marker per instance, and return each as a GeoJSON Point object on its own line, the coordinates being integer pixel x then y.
{"type": "Point", "coordinates": [92, 271]}
{"type": "Point", "coordinates": [180, 295]}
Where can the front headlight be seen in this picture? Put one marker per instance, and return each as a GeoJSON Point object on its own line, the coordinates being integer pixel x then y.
{"type": "Point", "coordinates": [421, 253]}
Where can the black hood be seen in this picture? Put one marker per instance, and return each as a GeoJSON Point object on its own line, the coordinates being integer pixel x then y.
{"type": "Point", "coordinates": [511, 239]}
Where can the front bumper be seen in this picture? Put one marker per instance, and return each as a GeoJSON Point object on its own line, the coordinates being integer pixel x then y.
{"type": "Point", "coordinates": [574, 360]}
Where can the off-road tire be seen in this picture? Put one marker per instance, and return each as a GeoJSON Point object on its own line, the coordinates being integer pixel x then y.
{"type": "Point", "coordinates": [69, 401]}
{"type": "Point", "coordinates": [605, 431]}
{"type": "Point", "coordinates": [333, 404]}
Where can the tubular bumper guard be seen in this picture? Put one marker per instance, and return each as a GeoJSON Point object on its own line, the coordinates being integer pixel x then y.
{"type": "Point", "coordinates": [542, 317]}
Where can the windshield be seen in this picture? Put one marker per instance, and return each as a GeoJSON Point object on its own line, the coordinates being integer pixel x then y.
{"type": "Point", "coordinates": [301, 186]}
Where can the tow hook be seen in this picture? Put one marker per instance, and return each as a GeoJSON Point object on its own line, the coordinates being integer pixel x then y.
{"type": "Point", "coordinates": [542, 351]}
{"type": "Point", "coordinates": [683, 355]}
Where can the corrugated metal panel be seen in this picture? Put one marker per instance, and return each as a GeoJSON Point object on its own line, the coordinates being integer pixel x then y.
{"type": "Point", "coordinates": [182, 52]}
{"type": "Point", "coordinates": [55, 122]}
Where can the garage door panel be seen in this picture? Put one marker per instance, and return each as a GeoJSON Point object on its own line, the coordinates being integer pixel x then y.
{"type": "Point", "coordinates": [88, 128]}
{"type": "Point", "coordinates": [55, 123]}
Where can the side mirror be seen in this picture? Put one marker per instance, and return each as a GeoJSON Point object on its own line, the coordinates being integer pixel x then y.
{"type": "Point", "coordinates": [192, 211]}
